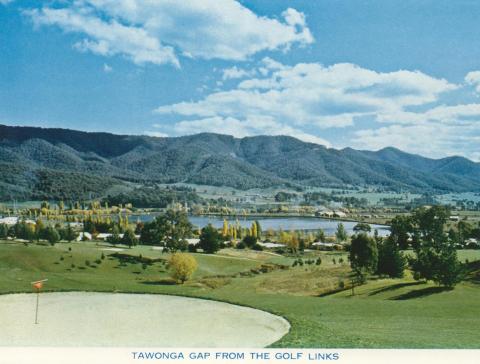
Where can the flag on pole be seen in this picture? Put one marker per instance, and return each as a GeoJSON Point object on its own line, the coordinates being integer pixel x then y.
{"type": "Point", "coordinates": [37, 285]}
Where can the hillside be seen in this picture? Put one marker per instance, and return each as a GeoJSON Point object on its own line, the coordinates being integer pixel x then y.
{"type": "Point", "coordinates": [59, 163]}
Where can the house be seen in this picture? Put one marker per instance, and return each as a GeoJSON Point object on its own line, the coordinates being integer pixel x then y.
{"type": "Point", "coordinates": [454, 218]}
{"type": "Point", "coordinates": [12, 220]}
{"type": "Point", "coordinates": [193, 241]}
{"type": "Point", "coordinates": [84, 236]}
{"type": "Point", "coordinates": [271, 245]}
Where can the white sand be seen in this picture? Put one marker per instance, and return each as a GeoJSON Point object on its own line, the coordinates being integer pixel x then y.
{"type": "Point", "coordinates": [114, 319]}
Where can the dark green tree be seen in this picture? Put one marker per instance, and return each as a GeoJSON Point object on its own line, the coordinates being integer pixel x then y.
{"type": "Point", "coordinates": [363, 257]}
{"type": "Point", "coordinates": [435, 255]}
{"type": "Point", "coordinates": [400, 229]}
{"type": "Point", "coordinates": [362, 227]}
{"type": "Point", "coordinates": [52, 235]}
{"type": "Point", "coordinates": [391, 261]}
{"type": "Point", "coordinates": [129, 238]}
{"type": "Point", "coordinates": [172, 229]}
{"type": "Point", "coordinates": [210, 239]}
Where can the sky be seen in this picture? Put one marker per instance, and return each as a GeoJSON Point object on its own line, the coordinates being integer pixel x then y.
{"type": "Point", "coordinates": [341, 73]}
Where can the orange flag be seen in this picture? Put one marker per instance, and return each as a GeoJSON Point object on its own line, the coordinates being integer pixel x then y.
{"type": "Point", "coordinates": [38, 285]}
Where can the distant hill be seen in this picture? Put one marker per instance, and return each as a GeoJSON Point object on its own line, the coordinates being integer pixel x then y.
{"type": "Point", "coordinates": [59, 163]}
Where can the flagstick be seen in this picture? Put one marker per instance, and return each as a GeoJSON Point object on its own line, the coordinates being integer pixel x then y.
{"type": "Point", "coordinates": [36, 310]}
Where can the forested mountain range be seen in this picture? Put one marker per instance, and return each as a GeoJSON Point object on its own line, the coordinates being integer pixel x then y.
{"type": "Point", "coordinates": [59, 163]}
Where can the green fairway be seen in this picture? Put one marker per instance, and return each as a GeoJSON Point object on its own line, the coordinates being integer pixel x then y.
{"type": "Point", "coordinates": [384, 313]}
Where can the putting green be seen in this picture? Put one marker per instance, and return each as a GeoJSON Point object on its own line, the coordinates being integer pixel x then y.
{"type": "Point", "coordinates": [114, 319]}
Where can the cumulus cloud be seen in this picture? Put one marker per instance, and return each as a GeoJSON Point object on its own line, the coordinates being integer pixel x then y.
{"type": "Point", "coordinates": [428, 138]}
{"type": "Point", "coordinates": [158, 32]}
{"type": "Point", "coordinates": [235, 72]}
{"type": "Point", "coordinates": [254, 125]}
{"type": "Point", "coordinates": [473, 78]}
{"type": "Point", "coordinates": [310, 94]}
{"type": "Point", "coordinates": [6, 2]}
{"type": "Point", "coordinates": [107, 68]}
{"type": "Point", "coordinates": [156, 134]}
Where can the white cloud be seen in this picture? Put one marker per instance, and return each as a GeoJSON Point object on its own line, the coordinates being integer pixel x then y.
{"type": "Point", "coordinates": [310, 94]}
{"type": "Point", "coordinates": [235, 72]}
{"type": "Point", "coordinates": [254, 125]}
{"type": "Point", "coordinates": [107, 68]}
{"type": "Point", "coordinates": [6, 2]}
{"type": "Point", "coordinates": [157, 31]}
{"type": "Point", "coordinates": [473, 78]}
{"type": "Point", "coordinates": [107, 38]}
{"type": "Point", "coordinates": [155, 134]}
{"type": "Point", "coordinates": [429, 139]}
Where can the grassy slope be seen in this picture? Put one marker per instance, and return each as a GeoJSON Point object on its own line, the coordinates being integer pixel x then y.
{"type": "Point", "coordinates": [384, 313]}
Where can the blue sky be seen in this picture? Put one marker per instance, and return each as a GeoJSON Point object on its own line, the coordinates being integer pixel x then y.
{"type": "Point", "coordinates": [365, 74]}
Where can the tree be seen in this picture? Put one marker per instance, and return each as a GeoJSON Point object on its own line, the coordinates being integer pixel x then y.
{"type": "Point", "coordinates": [68, 234]}
{"type": "Point", "coordinates": [400, 229]}
{"type": "Point", "coordinates": [225, 228]}
{"type": "Point", "coordinates": [129, 238]}
{"type": "Point", "coordinates": [341, 233]}
{"type": "Point", "coordinates": [435, 256]}
{"type": "Point", "coordinates": [320, 235]}
{"type": "Point", "coordinates": [249, 241]}
{"type": "Point", "coordinates": [3, 231]}
{"type": "Point", "coordinates": [115, 237]}
{"type": "Point", "coordinates": [292, 242]}
{"type": "Point", "coordinates": [210, 239]}
{"type": "Point", "coordinates": [363, 257]}
{"type": "Point", "coordinates": [390, 259]}
{"type": "Point", "coordinates": [39, 229]}
{"type": "Point", "coordinates": [259, 229]}
{"type": "Point", "coordinates": [52, 235]}
{"type": "Point", "coordinates": [182, 266]}
{"type": "Point", "coordinates": [362, 227]}
{"type": "Point", "coordinates": [172, 229]}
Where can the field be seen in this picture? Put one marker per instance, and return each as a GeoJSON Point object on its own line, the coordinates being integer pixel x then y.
{"type": "Point", "coordinates": [384, 313]}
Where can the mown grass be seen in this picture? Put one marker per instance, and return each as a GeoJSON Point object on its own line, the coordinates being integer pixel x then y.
{"type": "Point", "coordinates": [384, 313]}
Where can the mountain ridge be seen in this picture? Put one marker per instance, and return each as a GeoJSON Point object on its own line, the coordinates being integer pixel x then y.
{"type": "Point", "coordinates": [37, 154]}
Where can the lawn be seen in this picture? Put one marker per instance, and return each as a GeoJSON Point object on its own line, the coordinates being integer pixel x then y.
{"type": "Point", "coordinates": [384, 313]}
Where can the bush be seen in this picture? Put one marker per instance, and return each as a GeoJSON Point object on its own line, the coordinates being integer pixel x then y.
{"type": "Point", "coordinates": [241, 245]}
{"type": "Point", "coordinates": [87, 263]}
{"type": "Point", "coordinates": [192, 248]}
{"type": "Point", "coordinates": [249, 241]}
{"type": "Point", "coordinates": [318, 261]}
{"type": "Point", "coordinates": [257, 247]}
{"type": "Point", "coordinates": [182, 266]}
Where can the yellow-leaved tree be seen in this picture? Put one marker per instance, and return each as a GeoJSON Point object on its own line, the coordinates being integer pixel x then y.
{"type": "Point", "coordinates": [182, 266]}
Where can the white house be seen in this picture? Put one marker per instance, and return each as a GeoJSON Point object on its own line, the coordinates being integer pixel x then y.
{"type": "Point", "coordinates": [84, 236]}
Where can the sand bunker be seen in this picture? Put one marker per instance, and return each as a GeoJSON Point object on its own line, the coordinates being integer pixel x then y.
{"type": "Point", "coordinates": [114, 319]}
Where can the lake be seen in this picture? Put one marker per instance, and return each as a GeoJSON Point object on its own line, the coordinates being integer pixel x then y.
{"type": "Point", "coordinates": [276, 223]}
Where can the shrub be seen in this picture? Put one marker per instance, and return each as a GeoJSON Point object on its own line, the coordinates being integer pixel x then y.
{"type": "Point", "coordinates": [257, 247]}
{"type": "Point", "coordinates": [318, 261]}
{"type": "Point", "coordinates": [87, 263]}
{"type": "Point", "coordinates": [241, 245]}
{"type": "Point", "coordinates": [182, 266]}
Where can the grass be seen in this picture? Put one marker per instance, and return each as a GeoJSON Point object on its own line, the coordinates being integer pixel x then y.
{"type": "Point", "coordinates": [384, 313]}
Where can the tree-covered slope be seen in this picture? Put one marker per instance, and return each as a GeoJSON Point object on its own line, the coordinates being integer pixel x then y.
{"type": "Point", "coordinates": [41, 162]}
